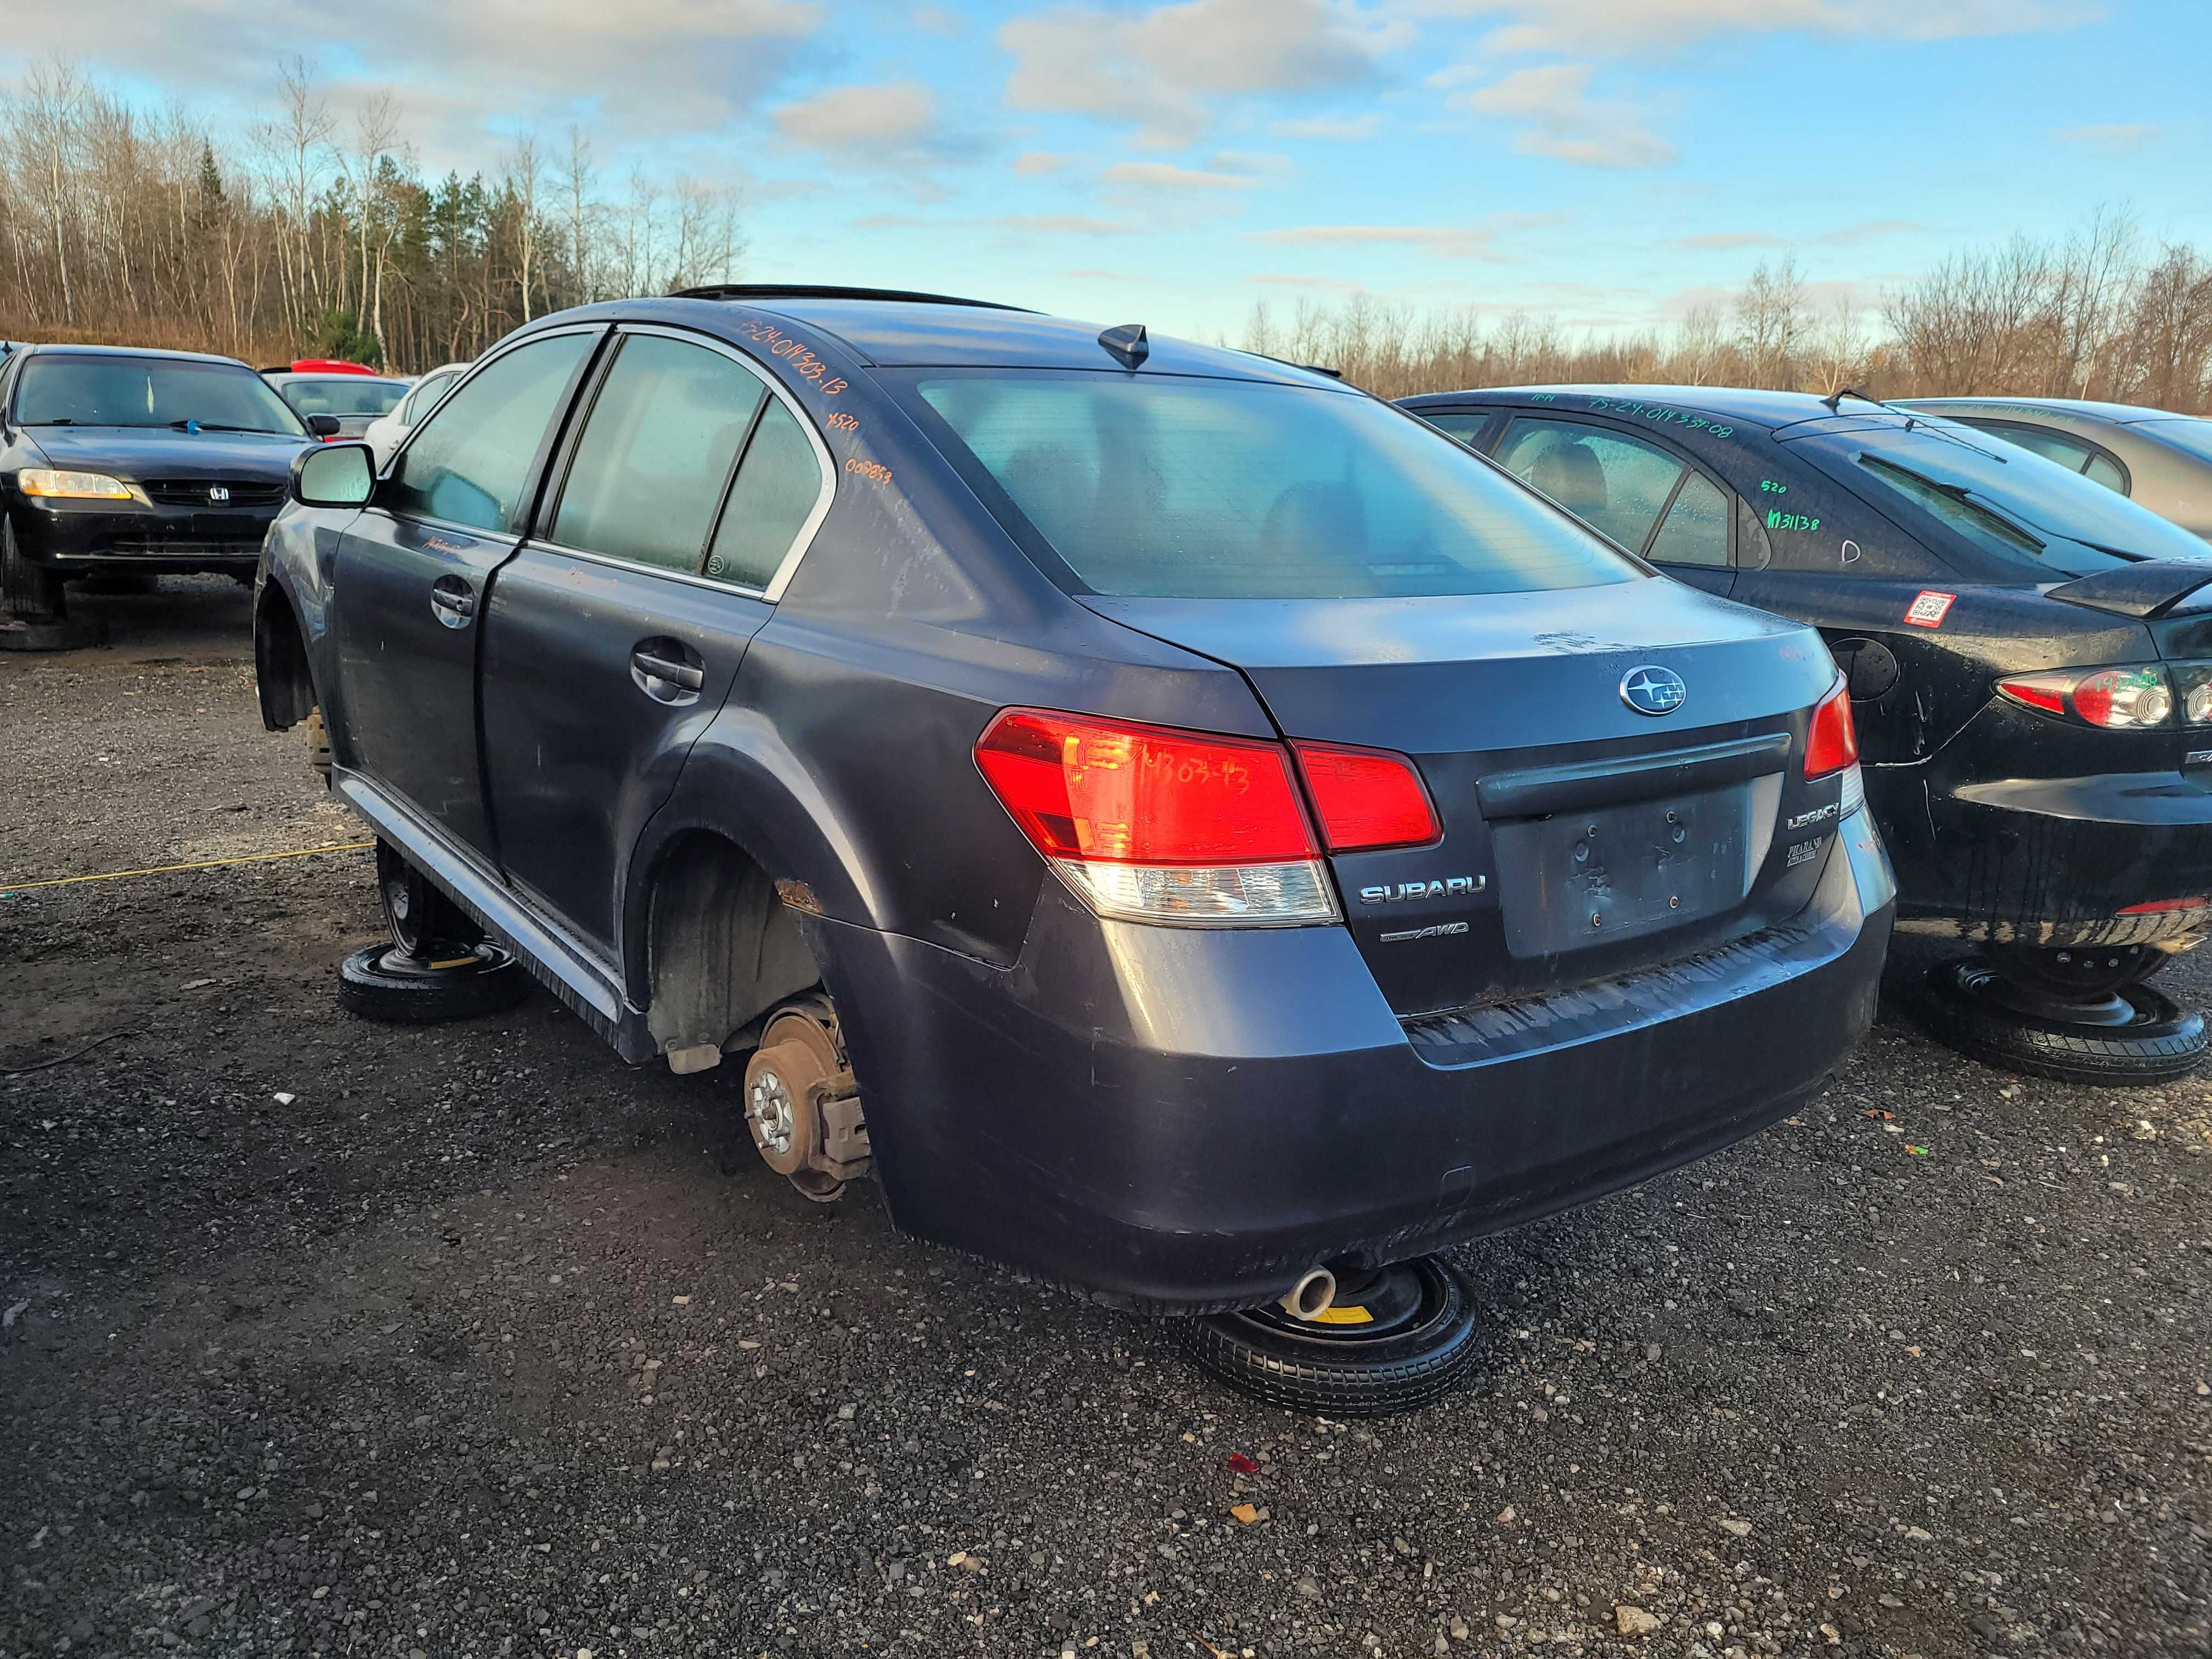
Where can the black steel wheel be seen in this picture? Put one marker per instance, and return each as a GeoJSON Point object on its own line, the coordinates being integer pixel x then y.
{"type": "Point", "coordinates": [28, 591]}
{"type": "Point", "coordinates": [424, 921]}
{"type": "Point", "coordinates": [2133, 1035]}
{"type": "Point", "coordinates": [1396, 1342]}
{"type": "Point", "coordinates": [2074, 972]}
{"type": "Point", "coordinates": [386, 983]}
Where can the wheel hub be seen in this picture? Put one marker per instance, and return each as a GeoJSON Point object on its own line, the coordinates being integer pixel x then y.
{"type": "Point", "coordinates": [769, 1107]}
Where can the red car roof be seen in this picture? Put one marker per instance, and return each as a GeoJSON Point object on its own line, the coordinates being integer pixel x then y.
{"type": "Point", "coordinates": [329, 366]}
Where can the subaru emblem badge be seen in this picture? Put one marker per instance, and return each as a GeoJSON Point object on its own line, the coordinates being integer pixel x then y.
{"type": "Point", "coordinates": [1652, 690]}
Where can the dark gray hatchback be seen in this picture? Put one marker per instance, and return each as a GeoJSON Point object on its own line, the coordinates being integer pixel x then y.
{"type": "Point", "coordinates": [1179, 819]}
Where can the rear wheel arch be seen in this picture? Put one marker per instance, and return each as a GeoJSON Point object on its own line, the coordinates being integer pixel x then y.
{"type": "Point", "coordinates": [718, 945]}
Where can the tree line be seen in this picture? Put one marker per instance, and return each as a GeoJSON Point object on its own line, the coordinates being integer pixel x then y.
{"type": "Point", "coordinates": [317, 235]}
{"type": "Point", "coordinates": [2100, 314]}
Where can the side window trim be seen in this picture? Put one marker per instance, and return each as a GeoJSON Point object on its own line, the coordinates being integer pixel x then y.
{"type": "Point", "coordinates": [557, 473]}
{"type": "Point", "coordinates": [549, 443]}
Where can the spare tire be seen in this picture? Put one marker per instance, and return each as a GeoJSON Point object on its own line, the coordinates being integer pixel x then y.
{"type": "Point", "coordinates": [1414, 1341]}
{"type": "Point", "coordinates": [2136, 1035]}
{"type": "Point", "coordinates": [385, 983]}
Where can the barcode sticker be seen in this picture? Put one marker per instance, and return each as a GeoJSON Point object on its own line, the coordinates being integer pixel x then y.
{"type": "Point", "coordinates": [1929, 610]}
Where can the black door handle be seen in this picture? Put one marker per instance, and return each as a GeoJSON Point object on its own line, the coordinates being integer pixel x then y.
{"type": "Point", "coordinates": [656, 667]}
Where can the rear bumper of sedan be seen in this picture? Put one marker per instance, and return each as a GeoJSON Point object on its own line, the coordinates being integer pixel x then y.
{"type": "Point", "coordinates": [2056, 861]}
{"type": "Point", "coordinates": [1188, 1120]}
{"type": "Point", "coordinates": [78, 537]}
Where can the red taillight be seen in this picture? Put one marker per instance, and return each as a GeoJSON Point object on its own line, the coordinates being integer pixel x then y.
{"type": "Point", "coordinates": [1834, 742]}
{"type": "Point", "coordinates": [1366, 798]}
{"type": "Point", "coordinates": [2044, 691]}
{"type": "Point", "coordinates": [1109, 793]}
{"type": "Point", "coordinates": [2117, 699]}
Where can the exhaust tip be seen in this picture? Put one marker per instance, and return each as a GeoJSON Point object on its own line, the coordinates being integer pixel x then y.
{"type": "Point", "coordinates": [1312, 1295]}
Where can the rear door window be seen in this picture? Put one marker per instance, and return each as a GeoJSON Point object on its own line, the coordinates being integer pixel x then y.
{"type": "Point", "coordinates": [1696, 528]}
{"type": "Point", "coordinates": [472, 462]}
{"type": "Point", "coordinates": [2052, 446]}
{"type": "Point", "coordinates": [2097, 470]}
{"type": "Point", "coordinates": [655, 453]}
{"type": "Point", "coordinates": [778, 486]}
{"type": "Point", "coordinates": [424, 399]}
{"type": "Point", "coordinates": [1620, 484]}
{"type": "Point", "coordinates": [1467, 427]}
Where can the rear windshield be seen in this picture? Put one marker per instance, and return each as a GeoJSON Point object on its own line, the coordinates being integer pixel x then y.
{"type": "Point", "coordinates": [345, 394]}
{"type": "Point", "coordinates": [1172, 486]}
{"type": "Point", "coordinates": [70, 390]}
{"type": "Point", "coordinates": [2007, 500]}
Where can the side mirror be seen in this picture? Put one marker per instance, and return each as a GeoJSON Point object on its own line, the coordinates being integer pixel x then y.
{"type": "Point", "coordinates": [323, 425]}
{"type": "Point", "coordinates": [332, 475]}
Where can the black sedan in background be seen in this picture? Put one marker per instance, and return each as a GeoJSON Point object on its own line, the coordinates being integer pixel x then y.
{"type": "Point", "coordinates": [2030, 661]}
{"type": "Point", "coordinates": [116, 460]}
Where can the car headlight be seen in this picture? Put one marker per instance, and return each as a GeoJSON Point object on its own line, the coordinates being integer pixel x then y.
{"type": "Point", "coordinates": [86, 486]}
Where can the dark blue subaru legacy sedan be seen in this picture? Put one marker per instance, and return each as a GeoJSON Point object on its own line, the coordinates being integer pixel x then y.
{"type": "Point", "coordinates": [1173, 819]}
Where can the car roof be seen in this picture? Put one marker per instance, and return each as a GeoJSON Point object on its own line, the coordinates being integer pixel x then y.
{"type": "Point", "coordinates": [132, 351]}
{"type": "Point", "coordinates": [891, 328]}
{"type": "Point", "coordinates": [1748, 405]}
{"type": "Point", "coordinates": [2087, 408]}
{"type": "Point", "coordinates": [332, 374]}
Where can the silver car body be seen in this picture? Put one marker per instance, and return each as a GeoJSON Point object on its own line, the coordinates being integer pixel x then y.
{"type": "Point", "coordinates": [2159, 460]}
{"type": "Point", "coordinates": [383, 433]}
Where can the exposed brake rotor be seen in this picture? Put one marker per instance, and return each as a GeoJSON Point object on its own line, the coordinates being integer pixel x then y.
{"type": "Point", "coordinates": [802, 1104]}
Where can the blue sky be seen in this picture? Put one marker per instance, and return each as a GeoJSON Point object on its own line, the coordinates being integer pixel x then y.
{"type": "Point", "coordinates": [1607, 162]}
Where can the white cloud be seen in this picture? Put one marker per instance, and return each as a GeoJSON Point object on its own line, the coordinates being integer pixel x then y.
{"type": "Point", "coordinates": [936, 20]}
{"type": "Point", "coordinates": [2116, 138]}
{"type": "Point", "coordinates": [1555, 116]}
{"type": "Point", "coordinates": [1166, 70]}
{"type": "Point", "coordinates": [621, 70]}
{"type": "Point", "coordinates": [1622, 27]}
{"type": "Point", "coordinates": [1841, 236]}
{"type": "Point", "coordinates": [1031, 163]}
{"type": "Point", "coordinates": [1445, 242]}
{"type": "Point", "coordinates": [1324, 126]}
{"type": "Point", "coordinates": [1159, 175]}
{"type": "Point", "coordinates": [862, 123]}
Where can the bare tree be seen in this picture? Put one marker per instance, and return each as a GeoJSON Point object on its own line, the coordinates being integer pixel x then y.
{"type": "Point", "coordinates": [46, 123]}
{"type": "Point", "coordinates": [1840, 350]}
{"type": "Point", "coordinates": [1772, 317]}
{"type": "Point", "coordinates": [375, 124]}
{"type": "Point", "coordinates": [579, 179]}
{"type": "Point", "coordinates": [525, 174]}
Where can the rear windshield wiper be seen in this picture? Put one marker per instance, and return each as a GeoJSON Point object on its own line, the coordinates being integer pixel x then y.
{"type": "Point", "coordinates": [2005, 523]}
{"type": "Point", "coordinates": [1916, 420]}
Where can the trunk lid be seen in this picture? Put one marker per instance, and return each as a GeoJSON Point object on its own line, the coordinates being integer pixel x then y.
{"type": "Point", "coordinates": [1581, 838]}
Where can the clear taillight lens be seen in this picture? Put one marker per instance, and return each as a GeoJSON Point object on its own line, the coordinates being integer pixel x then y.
{"type": "Point", "coordinates": [1155, 824]}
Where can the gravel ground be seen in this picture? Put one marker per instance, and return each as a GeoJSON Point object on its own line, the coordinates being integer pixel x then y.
{"type": "Point", "coordinates": [328, 1337]}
